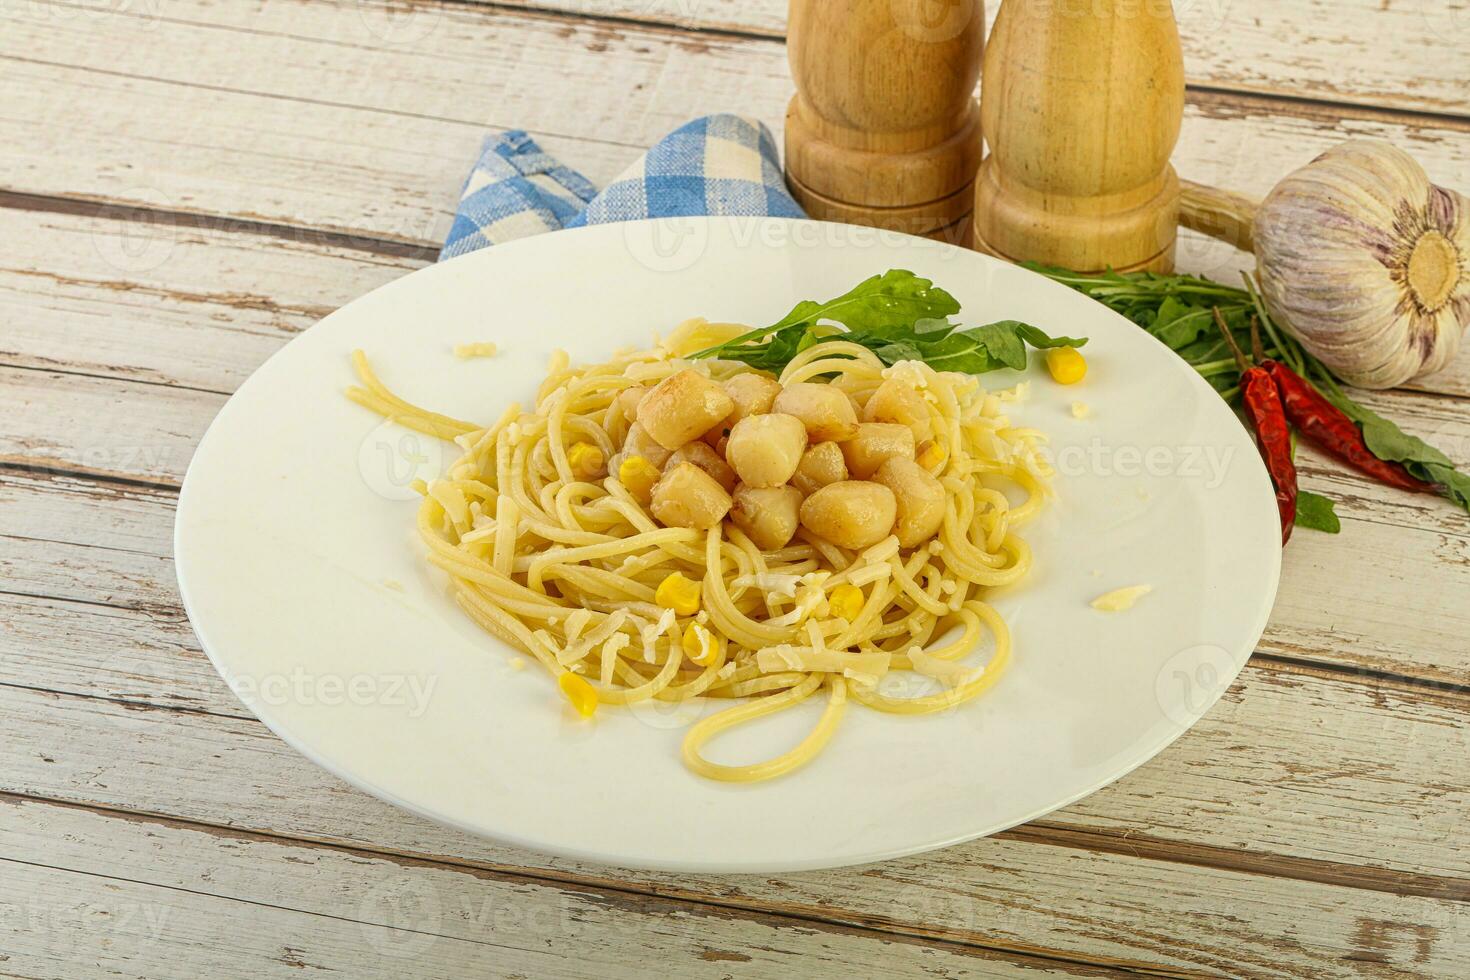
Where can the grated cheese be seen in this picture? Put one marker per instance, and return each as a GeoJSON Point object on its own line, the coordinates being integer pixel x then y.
{"type": "Point", "coordinates": [911, 373]}
{"type": "Point", "coordinates": [483, 349]}
{"type": "Point", "coordinates": [1017, 394]}
{"type": "Point", "coordinates": [772, 582]}
{"type": "Point", "coordinates": [1121, 600]}
{"type": "Point", "coordinates": [615, 643]}
{"type": "Point", "coordinates": [452, 500]}
{"type": "Point", "coordinates": [653, 631]}
{"type": "Point", "coordinates": [784, 656]}
{"type": "Point", "coordinates": [576, 623]}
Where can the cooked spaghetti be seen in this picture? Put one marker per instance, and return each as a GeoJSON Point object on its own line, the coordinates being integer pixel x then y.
{"type": "Point", "coordinates": [572, 535]}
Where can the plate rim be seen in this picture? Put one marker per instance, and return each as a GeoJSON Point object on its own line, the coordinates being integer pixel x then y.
{"type": "Point", "coordinates": [549, 847]}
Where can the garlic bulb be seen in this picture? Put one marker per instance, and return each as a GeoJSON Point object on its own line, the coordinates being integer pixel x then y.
{"type": "Point", "coordinates": [1367, 263]}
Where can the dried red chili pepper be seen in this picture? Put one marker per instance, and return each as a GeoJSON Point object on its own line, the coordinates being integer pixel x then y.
{"type": "Point", "coordinates": [1267, 416]}
{"type": "Point", "coordinates": [1333, 432]}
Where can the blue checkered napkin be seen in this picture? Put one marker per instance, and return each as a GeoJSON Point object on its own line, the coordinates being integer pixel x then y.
{"type": "Point", "coordinates": [515, 189]}
{"type": "Point", "coordinates": [718, 165]}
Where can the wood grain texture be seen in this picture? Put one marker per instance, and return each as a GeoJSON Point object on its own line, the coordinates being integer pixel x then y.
{"type": "Point", "coordinates": [152, 898]}
{"type": "Point", "coordinates": [112, 383]}
{"type": "Point", "coordinates": [228, 173]}
{"type": "Point", "coordinates": [1074, 903]}
{"type": "Point", "coordinates": [1081, 109]}
{"type": "Point", "coordinates": [199, 303]}
{"type": "Point", "coordinates": [164, 302]}
{"type": "Point", "coordinates": [1282, 755]}
{"type": "Point", "coordinates": [883, 129]}
{"type": "Point", "coordinates": [371, 136]}
{"type": "Point", "coordinates": [1374, 54]}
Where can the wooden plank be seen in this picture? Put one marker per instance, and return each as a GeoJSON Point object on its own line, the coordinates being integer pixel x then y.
{"type": "Point", "coordinates": [1374, 54]}
{"type": "Point", "coordinates": [1071, 901]}
{"type": "Point", "coordinates": [210, 303]}
{"type": "Point", "coordinates": [100, 426]}
{"type": "Point", "coordinates": [65, 301]}
{"type": "Point", "coordinates": [223, 301]}
{"type": "Point", "coordinates": [148, 431]}
{"type": "Point", "coordinates": [1403, 925]}
{"type": "Point", "coordinates": [361, 135]}
{"type": "Point", "coordinates": [151, 658]}
{"type": "Point", "coordinates": [105, 651]}
{"type": "Point", "coordinates": [156, 899]}
{"type": "Point", "coordinates": [1275, 728]}
{"type": "Point", "coordinates": [204, 309]}
{"type": "Point", "coordinates": [164, 303]}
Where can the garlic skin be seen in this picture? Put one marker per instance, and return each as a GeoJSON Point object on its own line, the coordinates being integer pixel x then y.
{"type": "Point", "coordinates": [1367, 263]}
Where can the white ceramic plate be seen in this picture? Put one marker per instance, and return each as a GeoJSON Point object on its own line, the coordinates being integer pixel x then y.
{"type": "Point", "coordinates": [306, 584]}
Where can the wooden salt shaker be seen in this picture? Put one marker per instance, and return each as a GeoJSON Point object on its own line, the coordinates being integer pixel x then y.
{"type": "Point", "coordinates": [884, 129]}
{"type": "Point", "coordinates": [1081, 104]}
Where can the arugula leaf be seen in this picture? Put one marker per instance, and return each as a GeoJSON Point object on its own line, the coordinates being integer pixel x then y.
{"type": "Point", "coordinates": [1038, 338]}
{"type": "Point", "coordinates": [1179, 324]}
{"type": "Point", "coordinates": [973, 351]}
{"type": "Point", "coordinates": [963, 352]}
{"type": "Point", "coordinates": [1004, 344]}
{"type": "Point", "coordinates": [1002, 341]}
{"type": "Point", "coordinates": [925, 326]}
{"type": "Point", "coordinates": [899, 350]}
{"type": "Point", "coordinates": [895, 299]}
{"type": "Point", "coordinates": [1387, 441]}
{"type": "Point", "coordinates": [899, 317]}
{"type": "Point", "coordinates": [1316, 512]}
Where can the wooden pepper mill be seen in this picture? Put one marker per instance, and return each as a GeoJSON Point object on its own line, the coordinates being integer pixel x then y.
{"type": "Point", "coordinates": [884, 129]}
{"type": "Point", "coordinates": [1082, 104]}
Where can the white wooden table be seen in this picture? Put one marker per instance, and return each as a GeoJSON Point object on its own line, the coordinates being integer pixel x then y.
{"type": "Point", "coordinates": [185, 184]}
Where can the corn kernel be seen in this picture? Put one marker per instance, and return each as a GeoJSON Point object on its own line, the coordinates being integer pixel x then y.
{"type": "Point", "coordinates": [586, 460]}
{"type": "Point", "coordinates": [846, 601]}
{"type": "Point", "coordinates": [679, 594]}
{"type": "Point", "coordinates": [699, 645]}
{"type": "Point", "coordinates": [582, 695]}
{"type": "Point", "coordinates": [639, 476]}
{"type": "Point", "coordinates": [1066, 365]}
{"type": "Point", "coordinates": [931, 456]}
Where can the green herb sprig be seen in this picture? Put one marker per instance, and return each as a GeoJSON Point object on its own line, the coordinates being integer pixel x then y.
{"type": "Point", "coordinates": [899, 317]}
{"type": "Point", "coordinates": [1177, 310]}
{"type": "Point", "coordinates": [1316, 512]}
